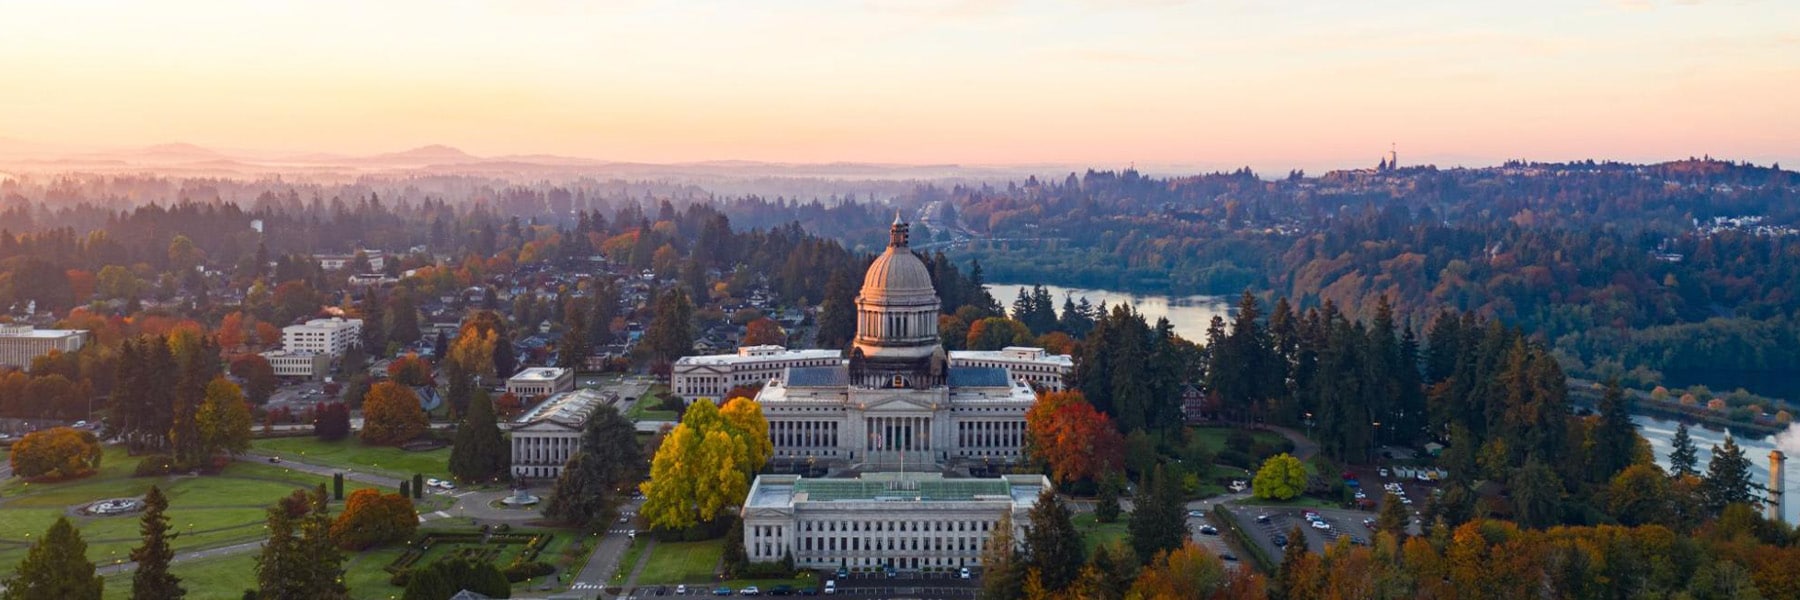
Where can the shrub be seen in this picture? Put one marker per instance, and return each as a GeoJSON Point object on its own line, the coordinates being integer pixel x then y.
{"type": "Point", "coordinates": [155, 465]}
{"type": "Point", "coordinates": [520, 571]}
{"type": "Point", "coordinates": [371, 518]}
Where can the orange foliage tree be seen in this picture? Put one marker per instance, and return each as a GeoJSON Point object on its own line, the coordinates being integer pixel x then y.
{"type": "Point", "coordinates": [1192, 572]}
{"type": "Point", "coordinates": [1078, 442]}
{"type": "Point", "coordinates": [371, 518]}
{"type": "Point", "coordinates": [56, 453]}
{"type": "Point", "coordinates": [764, 331]}
{"type": "Point", "coordinates": [391, 414]}
{"type": "Point", "coordinates": [410, 370]}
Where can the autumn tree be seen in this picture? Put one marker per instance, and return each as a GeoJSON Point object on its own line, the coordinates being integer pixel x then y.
{"type": "Point", "coordinates": [391, 415]}
{"type": "Point", "coordinates": [994, 333]}
{"type": "Point", "coordinates": [259, 377]}
{"type": "Point", "coordinates": [607, 460]}
{"type": "Point", "coordinates": [55, 567]}
{"type": "Point", "coordinates": [410, 370]}
{"type": "Point", "coordinates": [152, 580]}
{"type": "Point", "coordinates": [1392, 518]}
{"type": "Point", "coordinates": [1191, 572]}
{"type": "Point", "coordinates": [704, 465]}
{"type": "Point", "coordinates": [55, 454]}
{"type": "Point", "coordinates": [1077, 442]}
{"type": "Point", "coordinates": [1281, 477]}
{"type": "Point", "coordinates": [479, 452]}
{"type": "Point", "coordinates": [1003, 568]}
{"type": "Point", "coordinates": [764, 331]}
{"type": "Point", "coordinates": [371, 518]}
{"type": "Point", "coordinates": [331, 421]}
{"type": "Point", "coordinates": [224, 419]}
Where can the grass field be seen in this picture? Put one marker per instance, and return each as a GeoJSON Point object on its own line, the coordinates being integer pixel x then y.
{"type": "Point", "coordinates": [222, 578]}
{"type": "Point", "coordinates": [1214, 437]}
{"type": "Point", "coordinates": [682, 562]}
{"type": "Point", "coordinates": [350, 454]}
{"type": "Point", "coordinates": [1095, 534]}
{"type": "Point", "coordinates": [642, 409]}
{"type": "Point", "coordinates": [207, 511]}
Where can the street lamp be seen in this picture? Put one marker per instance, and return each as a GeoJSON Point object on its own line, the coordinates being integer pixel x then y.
{"type": "Point", "coordinates": [1309, 425]}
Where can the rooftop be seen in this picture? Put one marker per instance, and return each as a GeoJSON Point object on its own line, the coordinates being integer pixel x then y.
{"type": "Point", "coordinates": [539, 374]}
{"type": "Point", "coordinates": [786, 490]}
{"type": "Point", "coordinates": [753, 354]}
{"type": "Point", "coordinates": [26, 331]}
{"type": "Point", "coordinates": [569, 409]}
{"type": "Point", "coordinates": [979, 377]}
{"type": "Point", "coordinates": [1014, 353]}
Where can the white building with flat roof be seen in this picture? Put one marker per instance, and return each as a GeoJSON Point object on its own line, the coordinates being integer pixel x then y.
{"type": "Point", "coordinates": [711, 376]}
{"type": "Point", "coordinates": [337, 262]}
{"type": "Point", "coordinates": [19, 344]}
{"type": "Point", "coordinates": [323, 336]}
{"type": "Point", "coordinates": [547, 435]}
{"type": "Point", "coordinates": [541, 381]}
{"type": "Point", "coordinates": [311, 365]}
{"type": "Point", "coordinates": [1036, 367]}
{"type": "Point", "coordinates": [904, 521]}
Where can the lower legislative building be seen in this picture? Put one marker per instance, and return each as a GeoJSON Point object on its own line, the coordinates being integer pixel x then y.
{"type": "Point", "coordinates": [898, 404]}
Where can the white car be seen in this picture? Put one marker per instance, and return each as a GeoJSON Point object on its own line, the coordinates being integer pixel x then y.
{"type": "Point", "coordinates": [965, 573]}
{"type": "Point", "coordinates": [1383, 471]}
{"type": "Point", "coordinates": [433, 483]}
{"type": "Point", "coordinates": [446, 485]}
{"type": "Point", "coordinates": [1321, 524]}
{"type": "Point", "coordinates": [681, 590]}
{"type": "Point", "coordinates": [830, 587]}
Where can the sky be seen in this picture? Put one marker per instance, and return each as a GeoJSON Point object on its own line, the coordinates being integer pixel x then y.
{"type": "Point", "coordinates": [1272, 83]}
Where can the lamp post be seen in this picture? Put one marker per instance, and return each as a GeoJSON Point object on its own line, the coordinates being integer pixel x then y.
{"type": "Point", "coordinates": [1309, 425]}
{"type": "Point", "coordinates": [1375, 440]}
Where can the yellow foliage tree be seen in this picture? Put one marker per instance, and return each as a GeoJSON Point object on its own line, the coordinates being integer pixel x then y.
{"type": "Point", "coordinates": [224, 418]}
{"type": "Point", "coordinates": [704, 465]}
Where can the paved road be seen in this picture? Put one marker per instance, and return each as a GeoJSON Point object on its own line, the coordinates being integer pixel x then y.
{"type": "Point", "coordinates": [605, 560]}
{"type": "Point", "coordinates": [186, 556]}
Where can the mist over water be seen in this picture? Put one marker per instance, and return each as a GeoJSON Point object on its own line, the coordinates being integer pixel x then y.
{"type": "Point", "coordinates": [1190, 315]}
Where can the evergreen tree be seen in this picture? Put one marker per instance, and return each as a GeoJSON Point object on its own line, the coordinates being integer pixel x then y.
{"type": "Point", "coordinates": [1053, 547]}
{"type": "Point", "coordinates": [1392, 519]}
{"type": "Point", "coordinates": [55, 568]}
{"type": "Point", "coordinates": [480, 452]}
{"type": "Point", "coordinates": [603, 307]}
{"type": "Point", "coordinates": [1615, 438]}
{"type": "Point", "coordinates": [1288, 584]}
{"type": "Point", "coordinates": [1728, 477]}
{"type": "Point", "coordinates": [152, 580]}
{"type": "Point", "coordinates": [1003, 569]}
{"type": "Point", "coordinates": [607, 460]}
{"type": "Point", "coordinates": [299, 560]}
{"type": "Point", "coordinates": [671, 332]}
{"type": "Point", "coordinates": [573, 349]}
{"type": "Point", "coordinates": [837, 316]}
{"type": "Point", "coordinates": [1158, 523]}
{"type": "Point", "coordinates": [1684, 459]}
{"type": "Point", "coordinates": [1106, 508]}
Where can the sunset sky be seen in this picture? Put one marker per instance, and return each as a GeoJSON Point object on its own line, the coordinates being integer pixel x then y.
{"type": "Point", "coordinates": [1104, 82]}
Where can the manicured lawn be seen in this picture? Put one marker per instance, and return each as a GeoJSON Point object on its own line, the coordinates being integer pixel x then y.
{"type": "Point", "coordinates": [1214, 437]}
{"type": "Point", "coordinates": [220, 578]}
{"type": "Point", "coordinates": [642, 409]}
{"type": "Point", "coordinates": [351, 454]}
{"type": "Point", "coordinates": [1095, 534]}
{"type": "Point", "coordinates": [682, 562]}
{"type": "Point", "coordinates": [633, 554]}
{"type": "Point", "coordinates": [207, 511]}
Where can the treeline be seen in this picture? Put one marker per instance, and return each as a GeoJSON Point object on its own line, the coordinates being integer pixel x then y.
{"type": "Point", "coordinates": [1587, 255]}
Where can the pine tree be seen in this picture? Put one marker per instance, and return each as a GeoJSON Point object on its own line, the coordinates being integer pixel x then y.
{"type": "Point", "coordinates": [1728, 477]}
{"type": "Point", "coordinates": [1053, 547]}
{"type": "Point", "coordinates": [299, 561]}
{"type": "Point", "coordinates": [1684, 459]}
{"type": "Point", "coordinates": [1106, 508]}
{"type": "Point", "coordinates": [1615, 437]}
{"type": "Point", "coordinates": [1293, 559]}
{"type": "Point", "coordinates": [480, 453]}
{"type": "Point", "coordinates": [1392, 518]}
{"type": "Point", "coordinates": [152, 580]}
{"type": "Point", "coordinates": [572, 350]}
{"type": "Point", "coordinates": [1157, 521]}
{"type": "Point", "coordinates": [608, 458]}
{"type": "Point", "coordinates": [56, 568]}
{"type": "Point", "coordinates": [1002, 566]}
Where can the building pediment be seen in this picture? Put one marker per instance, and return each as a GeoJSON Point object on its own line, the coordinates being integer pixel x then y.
{"type": "Point", "coordinates": [899, 403]}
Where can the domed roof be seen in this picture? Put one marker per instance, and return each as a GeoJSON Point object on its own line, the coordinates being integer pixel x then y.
{"type": "Point", "coordinates": [897, 274]}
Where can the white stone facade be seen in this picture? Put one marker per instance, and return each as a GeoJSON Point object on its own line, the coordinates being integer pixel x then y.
{"type": "Point", "coordinates": [711, 376]}
{"type": "Point", "coordinates": [1035, 366]}
{"type": "Point", "coordinates": [541, 381]}
{"type": "Point", "coordinates": [323, 336]}
{"type": "Point", "coordinates": [19, 344]}
{"type": "Point", "coordinates": [908, 522]}
{"type": "Point", "coordinates": [545, 437]}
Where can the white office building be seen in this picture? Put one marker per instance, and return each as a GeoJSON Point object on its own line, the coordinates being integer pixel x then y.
{"type": "Point", "coordinates": [904, 521]}
{"type": "Point", "coordinates": [19, 344]}
{"type": "Point", "coordinates": [337, 262]}
{"type": "Point", "coordinates": [711, 376]}
{"type": "Point", "coordinates": [541, 381]}
{"type": "Point", "coordinates": [323, 336]}
{"type": "Point", "coordinates": [1034, 366]}
{"type": "Point", "coordinates": [546, 436]}
{"type": "Point", "coordinates": [311, 365]}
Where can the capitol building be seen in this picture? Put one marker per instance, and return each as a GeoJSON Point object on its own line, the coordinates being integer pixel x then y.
{"type": "Point", "coordinates": [899, 421]}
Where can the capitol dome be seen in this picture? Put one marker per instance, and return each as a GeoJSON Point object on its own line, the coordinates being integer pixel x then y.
{"type": "Point", "coordinates": [898, 307]}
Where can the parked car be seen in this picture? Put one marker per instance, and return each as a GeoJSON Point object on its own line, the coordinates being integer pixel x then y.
{"type": "Point", "coordinates": [1262, 518]}
{"type": "Point", "coordinates": [1279, 540]}
{"type": "Point", "coordinates": [1228, 556]}
{"type": "Point", "coordinates": [1321, 524]}
{"type": "Point", "coordinates": [681, 590]}
{"type": "Point", "coordinates": [721, 591]}
{"type": "Point", "coordinates": [831, 585]}
{"type": "Point", "coordinates": [1209, 530]}
{"type": "Point", "coordinates": [964, 573]}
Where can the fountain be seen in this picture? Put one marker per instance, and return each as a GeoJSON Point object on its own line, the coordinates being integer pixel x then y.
{"type": "Point", "coordinates": [114, 506]}
{"type": "Point", "coordinates": [520, 499]}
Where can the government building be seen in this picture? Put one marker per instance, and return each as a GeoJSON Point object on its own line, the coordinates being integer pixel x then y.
{"type": "Point", "coordinates": [903, 521]}
{"type": "Point", "coordinates": [19, 344]}
{"type": "Point", "coordinates": [908, 418]}
{"type": "Point", "coordinates": [546, 436]}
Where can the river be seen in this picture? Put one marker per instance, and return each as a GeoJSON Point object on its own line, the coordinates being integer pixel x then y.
{"type": "Point", "coordinates": [1190, 315]}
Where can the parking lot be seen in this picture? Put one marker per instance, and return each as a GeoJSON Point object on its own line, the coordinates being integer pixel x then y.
{"type": "Point", "coordinates": [1269, 526]}
{"type": "Point", "coordinates": [1207, 534]}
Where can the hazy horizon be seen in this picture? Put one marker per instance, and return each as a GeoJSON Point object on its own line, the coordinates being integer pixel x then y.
{"type": "Point", "coordinates": [1163, 84]}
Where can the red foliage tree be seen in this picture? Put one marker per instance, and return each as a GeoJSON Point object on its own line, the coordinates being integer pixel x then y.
{"type": "Point", "coordinates": [371, 518]}
{"type": "Point", "coordinates": [410, 370]}
{"type": "Point", "coordinates": [764, 331]}
{"type": "Point", "coordinates": [331, 421]}
{"type": "Point", "coordinates": [1075, 440]}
